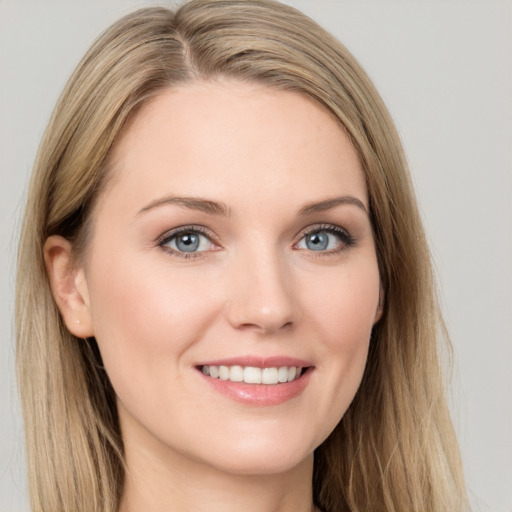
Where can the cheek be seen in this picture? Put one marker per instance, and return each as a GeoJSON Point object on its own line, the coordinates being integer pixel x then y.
{"type": "Point", "coordinates": [343, 319]}
{"type": "Point", "coordinates": [145, 320]}
{"type": "Point", "coordinates": [345, 310]}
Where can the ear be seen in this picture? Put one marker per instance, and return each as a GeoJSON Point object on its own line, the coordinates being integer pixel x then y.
{"type": "Point", "coordinates": [380, 306]}
{"type": "Point", "coordinates": [69, 286]}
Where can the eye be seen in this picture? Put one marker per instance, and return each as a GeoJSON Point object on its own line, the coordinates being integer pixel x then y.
{"type": "Point", "coordinates": [186, 242]}
{"type": "Point", "coordinates": [329, 239]}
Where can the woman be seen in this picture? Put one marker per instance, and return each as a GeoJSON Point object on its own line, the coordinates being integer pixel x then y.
{"type": "Point", "coordinates": [222, 273]}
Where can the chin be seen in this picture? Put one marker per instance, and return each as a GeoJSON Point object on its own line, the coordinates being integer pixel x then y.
{"type": "Point", "coordinates": [264, 463]}
{"type": "Point", "coordinates": [264, 455]}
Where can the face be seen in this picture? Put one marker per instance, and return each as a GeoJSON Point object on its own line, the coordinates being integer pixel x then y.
{"type": "Point", "coordinates": [231, 281]}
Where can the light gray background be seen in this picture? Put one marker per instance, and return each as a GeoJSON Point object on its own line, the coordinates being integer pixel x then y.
{"type": "Point", "coordinates": [444, 69]}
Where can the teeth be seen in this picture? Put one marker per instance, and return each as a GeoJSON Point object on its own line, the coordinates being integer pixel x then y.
{"type": "Point", "coordinates": [223, 372]}
{"type": "Point", "coordinates": [269, 376]}
{"type": "Point", "coordinates": [253, 375]}
{"type": "Point", "coordinates": [282, 374]}
{"type": "Point", "coordinates": [236, 373]}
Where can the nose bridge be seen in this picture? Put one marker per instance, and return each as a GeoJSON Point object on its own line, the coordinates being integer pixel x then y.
{"type": "Point", "coordinates": [262, 290]}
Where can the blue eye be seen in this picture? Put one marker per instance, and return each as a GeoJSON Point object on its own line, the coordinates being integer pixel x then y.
{"type": "Point", "coordinates": [330, 239]}
{"type": "Point", "coordinates": [187, 242]}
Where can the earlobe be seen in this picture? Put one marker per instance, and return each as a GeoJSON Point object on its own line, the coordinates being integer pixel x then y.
{"type": "Point", "coordinates": [69, 286]}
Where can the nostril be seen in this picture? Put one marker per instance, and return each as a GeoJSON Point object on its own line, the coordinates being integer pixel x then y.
{"type": "Point", "coordinates": [265, 302]}
{"type": "Point", "coordinates": [263, 327]}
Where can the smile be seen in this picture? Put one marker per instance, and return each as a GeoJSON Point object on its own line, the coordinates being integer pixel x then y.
{"type": "Point", "coordinates": [252, 374]}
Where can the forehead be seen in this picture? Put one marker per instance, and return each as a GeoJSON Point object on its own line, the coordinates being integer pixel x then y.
{"type": "Point", "coordinates": [226, 136]}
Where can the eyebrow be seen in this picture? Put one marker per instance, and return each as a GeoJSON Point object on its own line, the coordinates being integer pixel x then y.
{"type": "Point", "coordinates": [218, 208]}
{"type": "Point", "coordinates": [329, 204]}
{"type": "Point", "coordinates": [193, 203]}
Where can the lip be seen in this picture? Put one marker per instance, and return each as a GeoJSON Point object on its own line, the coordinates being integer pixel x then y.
{"type": "Point", "coordinates": [259, 394]}
{"type": "Point", "coordinates": [258, 361]}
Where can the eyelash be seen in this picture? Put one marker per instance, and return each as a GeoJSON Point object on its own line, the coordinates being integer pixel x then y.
{"type": "Point", "coordinates": [346, 239]}
{"type": "Point", "coordinates": [183, 230]}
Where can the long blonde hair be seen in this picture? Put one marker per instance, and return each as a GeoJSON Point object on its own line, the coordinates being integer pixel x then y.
{"type": "Point", "coordinates": [395, 449]}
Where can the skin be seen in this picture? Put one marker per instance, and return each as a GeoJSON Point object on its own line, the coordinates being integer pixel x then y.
{"type": "Point", "coordinates": [255, 287]}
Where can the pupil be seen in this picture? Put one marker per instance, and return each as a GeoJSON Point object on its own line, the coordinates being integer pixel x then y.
{"type": "Point", "coordinates": [318, 241]}
{"type": "Point", "coordinates": [188, 242]}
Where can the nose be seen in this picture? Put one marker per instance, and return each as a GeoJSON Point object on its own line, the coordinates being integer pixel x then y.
{"type": "Point", "coordinates": [262, 295]}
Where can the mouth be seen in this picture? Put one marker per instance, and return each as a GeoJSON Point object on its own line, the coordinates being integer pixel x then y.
{"type": "Point", "coordinates": [257, 381]}
{"type": "Point", "coordinates": [273, 375]}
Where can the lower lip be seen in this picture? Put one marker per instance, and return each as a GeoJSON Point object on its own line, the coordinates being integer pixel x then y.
{"type": "Point", "coordinates": [260, 394]}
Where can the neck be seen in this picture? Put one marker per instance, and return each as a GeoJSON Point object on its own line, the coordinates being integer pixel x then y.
{"type": "Point", "coordinates": [159, 480]}
{"type": "Point", "coordinates": [170, 482]}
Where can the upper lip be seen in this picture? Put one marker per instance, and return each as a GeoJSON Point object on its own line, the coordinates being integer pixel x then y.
{"type": "Point", "coordinates": [259, 361]}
